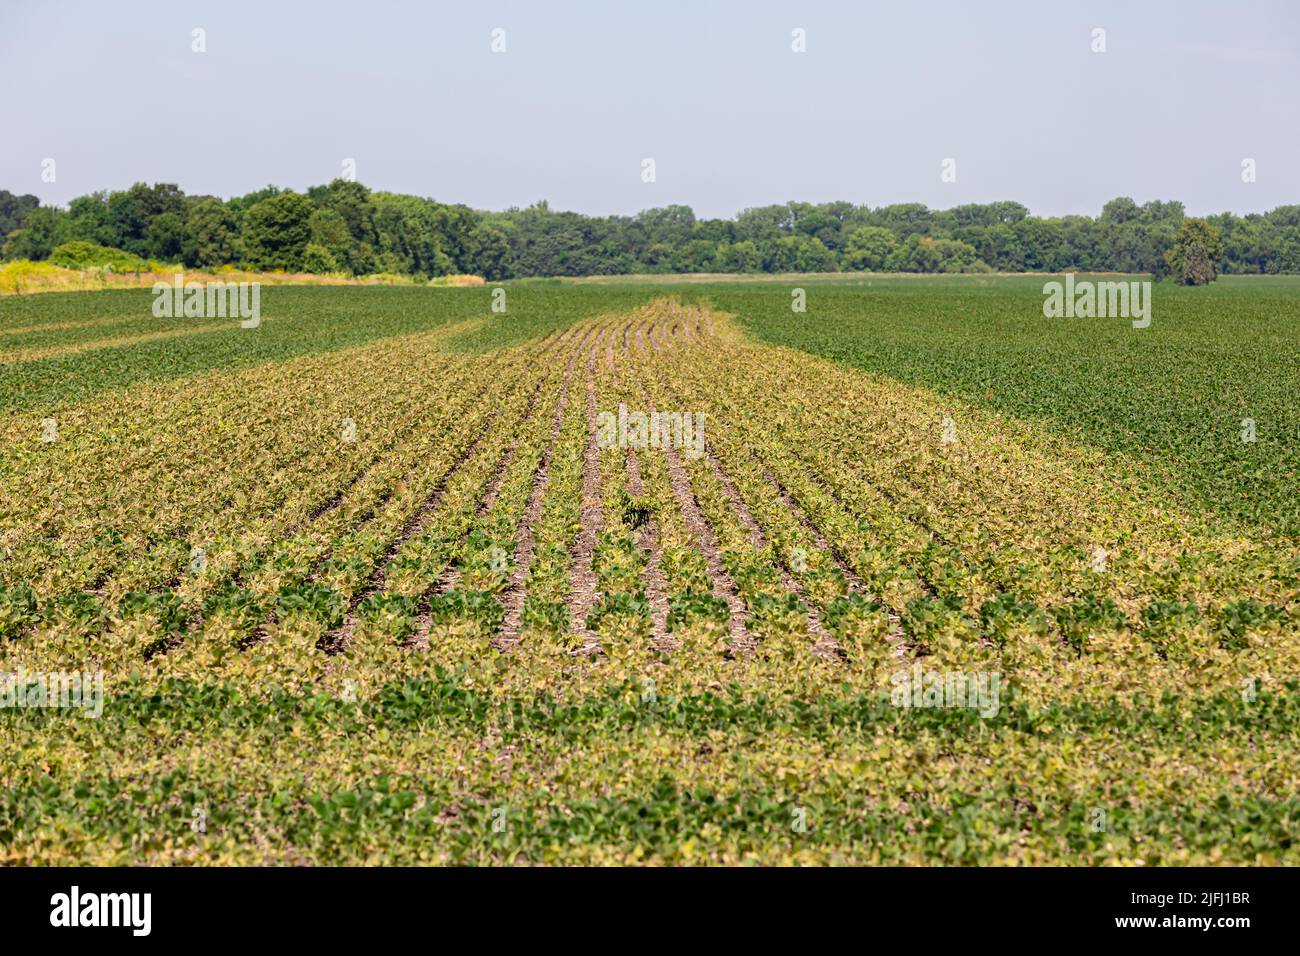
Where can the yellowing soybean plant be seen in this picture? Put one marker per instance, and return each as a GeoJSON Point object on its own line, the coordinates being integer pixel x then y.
{"type": "Point", "coordinates": [645, 574]}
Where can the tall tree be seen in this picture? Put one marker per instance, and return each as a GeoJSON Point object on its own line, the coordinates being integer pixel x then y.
{"type": "Point", "coordinates": [210, 238]}
{"type": "Point", "coordinates": [14, 211]}
{"type": "Point", "coordinates": [1196, 252]}
{"type": "Point", "coordinates": [276, 232]}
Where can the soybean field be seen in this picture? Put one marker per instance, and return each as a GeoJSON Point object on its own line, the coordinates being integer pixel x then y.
{"type": "Point", "coordinates": [652, 573]}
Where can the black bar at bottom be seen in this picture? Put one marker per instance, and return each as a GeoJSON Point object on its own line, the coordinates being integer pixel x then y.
{"type": "Point", "coordinates": [338, 905]}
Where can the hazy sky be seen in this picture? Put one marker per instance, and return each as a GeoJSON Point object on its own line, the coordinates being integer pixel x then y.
{"type": "Point", "coordinates": [712, 91]}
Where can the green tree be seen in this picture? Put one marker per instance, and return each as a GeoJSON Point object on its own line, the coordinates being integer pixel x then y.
{"type": "Point", "coordinates": [42, 230]}
{"type": "Point", "coordinates": [1196, 253]}
{"type": "Point", "coordinates": [1120, 210]}
{"type": "Point", "coordinates": [989, 214]}
{"type": "Point", "coordinates": [904, 219]}
{"type": "Point", "coordinates": [276, 232]}
{"type": "Point", "coordinates": [745, 257]}
{"type": "Point", "coordinates": [329, 231]}
{"type": "Point", "coordinates": [488, 252]}
{"type": "Point", "coordinates": [697, 255]}
{"type": "Point", "coordinates": [131, 212]}
{"type": "Point", "coordinates": [165, 237]}
{"type": "Point", "coordinates": [88, 219]}
{"type": "Point", "coordinates": [868, 247]}
{"type": "Point", "coordinates": [318, 260]}
{"type": "Point", "coordinates": [348, 204]}
{"type": "Point", "coordinates": [1157, 210]}
{"type": "Point", "coordinates": [926, 254]}
{"type": "Point", "coordinates": [351, 200]}
{"type": "Point", "coordinates": [239, 205]}
{"type": "Point", "coordinates": [14, 211]}
{"type": "Point", "coordinates": [210, 237]}
{"type": "Point", "coordinates": [671, 225]}
{"type": "Point", "coordinates": [407, 235]}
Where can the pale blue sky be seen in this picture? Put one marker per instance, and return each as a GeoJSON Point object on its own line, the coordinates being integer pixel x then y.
{"type": "Point", "coordinates": [711, 90]}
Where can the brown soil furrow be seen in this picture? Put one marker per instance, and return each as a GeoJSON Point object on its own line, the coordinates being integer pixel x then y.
{"type": "Point", "coordinates": [824, 642]}
{"type": "Point", "coordinates": [499, 474]}
{"type": "Point", "coordinates": [693, 517]}
{"type": "Point", "coordinates": [656, 585]}
{"type": "Point", "coordinates": [636, 347]}
{"type": "Point", "coordinates": [643, 329]}
{"type": "Point", "coordinates": [447, 581]}
{"type": "Point", "coordinates": [723, 586]}
{"type": "Point", "coordinates": [654, 331]}
{"type": "Point", "coordinates": [662, 335]}
{"type": "Point", "coordinates": [526, 541]}
{"type": "Point", "coordinates": [674, 333]}
{"type": "Point", "coordinates": [424, 615]}
{"type": "Point", "coordinates": [825, 485]}
{"type": "Point", "coordinates": [583, 596]}
{"type": "Point", "coordinates": [548, 343]}
{"type": "Point", "coordinates": [819, 540]}
{"type": "Point", "coordinates": [237, 578]}
{"type": "Point", "coordinates": [667, 332]}
{"type": "Point", "coordinates": [855, 581]}
{"type": "Point", "coordinates": [610, 341]}
{"type": "Point", "coordinates": [489, 381]}
{"type": "Point", "coordinates": [451, 574]}
{"type": "Point", "coordinates": [339, 639]}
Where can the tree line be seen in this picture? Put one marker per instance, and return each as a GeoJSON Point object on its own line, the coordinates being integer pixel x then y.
{"type": "Point", "coordinates": [346, 227]}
